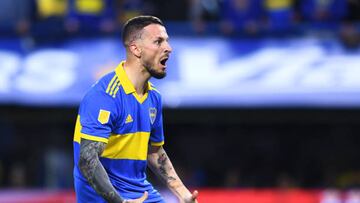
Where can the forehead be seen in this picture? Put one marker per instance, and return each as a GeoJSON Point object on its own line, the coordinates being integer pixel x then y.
{"type": "Point", "coordinates": [155, 31]}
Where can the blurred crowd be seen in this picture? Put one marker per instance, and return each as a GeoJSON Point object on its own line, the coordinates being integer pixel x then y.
{"type": "Point", "coordinates": [58, 18]}
{"type": "Point", "coordinates": [277, 16]}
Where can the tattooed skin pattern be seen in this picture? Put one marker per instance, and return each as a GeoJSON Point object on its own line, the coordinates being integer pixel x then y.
{"type": "Point", "coordinates": [94, 172]}
{"type": "Point", "coordinates": [163, 171]}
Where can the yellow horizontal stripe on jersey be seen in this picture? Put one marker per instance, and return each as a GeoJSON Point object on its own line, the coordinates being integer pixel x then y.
{"type": "Point", "coordinates": [110, 84]}
{"type": "Point", "coordinates": [78, 135]}
{"type": "Point", "coordinates": [94, 138]}
{"type": "Point", "coordinates": [157, 144]}
{"type": "Point", "coordinates": [127, 146]}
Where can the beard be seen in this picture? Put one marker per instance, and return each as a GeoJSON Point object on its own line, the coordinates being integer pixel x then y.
{"type": "Point", "coordinates": [154, 73]}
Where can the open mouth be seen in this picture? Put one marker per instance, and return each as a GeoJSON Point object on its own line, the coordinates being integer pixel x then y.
{"type": "Point", "coordinates": [163, 61]}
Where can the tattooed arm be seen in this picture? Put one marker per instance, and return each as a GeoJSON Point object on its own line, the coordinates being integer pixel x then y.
{"type": "Point", "coordinates": [94, 171]}
{"type": "Point", "coordinates": [161, 165]}
{"type": "Point", "coordinates": [96, 175]}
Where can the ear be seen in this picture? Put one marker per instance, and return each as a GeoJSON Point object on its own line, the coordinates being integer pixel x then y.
{"type": "Point", "coordinates": [135, 49]}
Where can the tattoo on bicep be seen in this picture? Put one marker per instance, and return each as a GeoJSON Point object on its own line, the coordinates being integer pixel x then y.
{"type": "Point", "coordinates": [162, 160]}
{"type": "Point", "coordinates": [94, 172]}
{"type": "Point", "coordinates": [89, 152]}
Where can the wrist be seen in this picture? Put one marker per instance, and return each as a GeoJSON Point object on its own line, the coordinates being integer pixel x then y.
{"type": "Point", "coordinates": [175, 184]}
{"type": "Point", "coordinates": [182, 192]}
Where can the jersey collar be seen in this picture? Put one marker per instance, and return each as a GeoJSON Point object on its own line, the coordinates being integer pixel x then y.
{"type": "Point", "coordinates": [127, 85]}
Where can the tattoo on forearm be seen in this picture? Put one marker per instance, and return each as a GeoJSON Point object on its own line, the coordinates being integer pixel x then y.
{"type": "Point", "coordinates": [94, 172]}
{"type": "Point", "coordinates": [162, 161]}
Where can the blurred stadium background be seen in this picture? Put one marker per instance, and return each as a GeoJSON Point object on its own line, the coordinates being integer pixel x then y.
{"type": "Point", "coordinates": [262, 98]}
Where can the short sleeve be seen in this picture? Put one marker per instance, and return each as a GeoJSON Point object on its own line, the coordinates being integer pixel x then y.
{"type": "Point", "coordinates": [157, 132]}
{"type": "Point", "coordinates": [98, 113]}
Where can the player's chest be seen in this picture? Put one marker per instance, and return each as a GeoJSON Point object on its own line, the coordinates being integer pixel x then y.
{"type": "Point", "coordinates": [136, 117]}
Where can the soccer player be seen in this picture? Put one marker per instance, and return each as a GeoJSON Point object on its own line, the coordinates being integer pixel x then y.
{"type": "Point", "coordinates": [119, 129]}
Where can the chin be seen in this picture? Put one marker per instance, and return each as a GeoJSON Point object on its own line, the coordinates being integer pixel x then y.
{"type": "Point", "coordinates": [158, 75]}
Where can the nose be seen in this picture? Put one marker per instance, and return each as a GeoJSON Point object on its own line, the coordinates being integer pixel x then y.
{"type": "Point", "coordinates": [168, 48]}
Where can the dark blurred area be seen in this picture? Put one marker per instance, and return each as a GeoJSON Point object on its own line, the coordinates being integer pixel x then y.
{"type": "Point", "coordinates": [311, 148]}
{"type": "Point", "coordinates": [314, 147]}
{"type": "Point", "coordinates": [59, 19]}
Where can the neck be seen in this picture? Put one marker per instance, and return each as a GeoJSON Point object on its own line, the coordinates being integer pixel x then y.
{"type": "Point", "coordinates": [138, 76]}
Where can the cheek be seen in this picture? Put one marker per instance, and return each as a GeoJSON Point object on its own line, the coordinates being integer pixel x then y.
{"type": "Point", "coordinates": [148, 52]}
{"type": "Point", "coordinates": [150, 55]}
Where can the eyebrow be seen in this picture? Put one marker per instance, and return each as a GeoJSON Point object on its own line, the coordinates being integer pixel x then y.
{"type": "Point", "coordinates": [162, 38]}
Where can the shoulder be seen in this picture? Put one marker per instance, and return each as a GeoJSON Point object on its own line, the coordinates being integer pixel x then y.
{"type": "Point", "coordinates": [155, 95]}
{"type": "Point", "coordinates": [101, 90]}
{"type": "Point", "coordinates": [105, 82]}
{"type": "Point", "coordinates": [154, 91]}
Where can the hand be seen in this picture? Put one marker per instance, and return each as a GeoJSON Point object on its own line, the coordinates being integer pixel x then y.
{"type": "Point", "coordinates": [138, 200]}
{"type": "Point", "coordinates": [192, 198]}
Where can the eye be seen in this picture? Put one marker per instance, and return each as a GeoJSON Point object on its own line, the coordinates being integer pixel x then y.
{"type": "Point", "coordinates": [158, 41]}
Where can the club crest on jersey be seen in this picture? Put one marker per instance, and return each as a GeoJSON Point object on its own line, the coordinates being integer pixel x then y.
{"type": "Point", "coordinates": [152, 114]}
{"type": "Point", "coordinates": [103, 116]}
